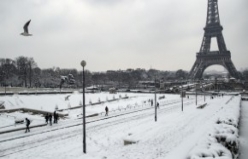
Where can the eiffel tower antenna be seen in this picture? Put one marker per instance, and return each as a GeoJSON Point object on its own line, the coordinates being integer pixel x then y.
{"type": "Point", "coordinates": [205, 57]}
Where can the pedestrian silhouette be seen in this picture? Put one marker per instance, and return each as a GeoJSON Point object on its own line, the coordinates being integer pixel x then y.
{"type": "Point", "coordinates": [50, 119]}
{"type": "Point", "coordinates": [46, 117]}
{"type": "Point", "coordinates": [55, 116]}
{"type": "Point", "coordinates": [106, 110]}
{"type": "Point", "coordinates": [27, 125]}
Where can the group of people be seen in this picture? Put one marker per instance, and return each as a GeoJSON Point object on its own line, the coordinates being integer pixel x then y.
{"type": "Point", "coordinates": [150, 100]}
{"type": "Point", "coordinates": [49, 117]}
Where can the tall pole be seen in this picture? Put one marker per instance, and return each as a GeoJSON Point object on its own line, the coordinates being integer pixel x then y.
{"type": "Point", "coordinates": [182, 95]}
{"type": "Point", "coordinates": [155, 100]}
{"type": "Point", "coordinates": [84, 140]}
{"type": "Point", "coordinates": [4, 82]}
{"type": "Point", "coordinates": [83, 63]}
{"type": "Point", "coordinates": [203, 89]}
{"type": "Point", "coordinates": [196, 94]}
{"type": "Point", "coordinates": [204, 96]}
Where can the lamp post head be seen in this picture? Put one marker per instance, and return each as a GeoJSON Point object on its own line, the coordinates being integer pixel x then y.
{"type": "Point", "coordinates": [83, 63]}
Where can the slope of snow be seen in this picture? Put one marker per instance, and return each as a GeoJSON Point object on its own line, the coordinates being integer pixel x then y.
{"type": "Point", "coordinates": [244, 131]}
{"type": "Point", "coordinates": [174, 135]}
{"type": "Point", "coordinates": [222, 138]}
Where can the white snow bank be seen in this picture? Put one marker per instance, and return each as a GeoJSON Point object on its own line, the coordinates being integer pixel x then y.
{"type": "Point", "coordinates": [222, 140]}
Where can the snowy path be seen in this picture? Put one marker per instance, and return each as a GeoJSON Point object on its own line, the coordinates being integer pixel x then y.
{"type": "Point", "coordinates": [105, 138]}
{"type": "Point", "coordinates": [244, 131]}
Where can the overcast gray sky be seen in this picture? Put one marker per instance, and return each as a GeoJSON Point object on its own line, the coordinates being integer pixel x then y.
{"type": "Point", "coordinates": [118, 34]}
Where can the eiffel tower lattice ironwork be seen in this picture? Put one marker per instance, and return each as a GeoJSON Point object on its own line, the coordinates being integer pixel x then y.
{"type": "Point", "coordinates": [205, 57]}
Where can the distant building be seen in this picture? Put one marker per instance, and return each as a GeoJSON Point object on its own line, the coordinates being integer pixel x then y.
{"type": "Point", "coordinates": [112, 90]}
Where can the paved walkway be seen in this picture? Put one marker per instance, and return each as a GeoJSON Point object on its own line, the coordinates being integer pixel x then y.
{"type": "Point", "coordinates": [244, 131]}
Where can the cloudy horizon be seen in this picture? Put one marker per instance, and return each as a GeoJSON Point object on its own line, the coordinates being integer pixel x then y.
{"type": "Point", "coordinates": [113, 35]}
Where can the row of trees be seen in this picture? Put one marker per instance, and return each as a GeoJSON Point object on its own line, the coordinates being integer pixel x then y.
{"type": "Point", "coordinates": [18, 72]}
{"type": "Point", "coordinates": [24, 72]}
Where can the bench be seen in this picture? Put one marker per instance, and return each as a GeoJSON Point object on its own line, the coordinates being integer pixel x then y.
{"type": "Point", "coordinates": [19, 121]}
{"type": "Point", "coordinates": [201, 106]}
{"type": "Point", "coordinates": [129, 142]}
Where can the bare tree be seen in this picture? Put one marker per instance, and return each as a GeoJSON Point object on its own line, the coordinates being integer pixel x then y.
{"type": "Point", "coordinates": [37, 76]}
{"type": "Point", "coordinates": [31, 65]}
{"type": "Point", "coordinates": [22, 67]}
{"type": "Point", "coordinates": [7, 70]}
{"type": "Point", "coordinates": [181, 74]}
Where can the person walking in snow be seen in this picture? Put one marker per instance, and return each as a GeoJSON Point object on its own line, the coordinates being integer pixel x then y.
{"type": "Point", "coordinates": [157, 105]}
{"type": "Point", "coordinates": [106, 110]}
{"type": "Point", "coordinates": [27, 125]}
{"type": "Point", "coordinates": [46, 117]}
{"type": "Point", "coordinates": [57, 117]}
{"type": "Point", "coordinates": [54, 117]}
{"type": "Point", "coordinates": [50, 119]}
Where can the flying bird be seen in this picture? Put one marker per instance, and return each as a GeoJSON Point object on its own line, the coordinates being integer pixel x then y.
{"type": "Point", "coordinates": [25, 27]}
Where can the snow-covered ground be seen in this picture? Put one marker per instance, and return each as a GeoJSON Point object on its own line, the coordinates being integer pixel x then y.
{"type": "Point", "coordinates": [65, 101]}
{"type": "Point", "coordinates": [175, 135]}
{"type": "Point", "coordinates": [244, 131]}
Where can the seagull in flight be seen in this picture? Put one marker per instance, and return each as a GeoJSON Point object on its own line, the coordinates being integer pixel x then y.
{"type": "Point", "coordinates": [25, 27]}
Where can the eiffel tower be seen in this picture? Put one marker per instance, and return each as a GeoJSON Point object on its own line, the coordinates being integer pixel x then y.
{"type": "Point", "coordinates": [205, 57]}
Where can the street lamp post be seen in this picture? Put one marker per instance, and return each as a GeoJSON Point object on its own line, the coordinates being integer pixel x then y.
{"type": "Point", "coordinates": [5, 88]}
{"type": "Point", "coordinates": [203, 89]}
{"type": "Point", "coordinates": [83, 64]}
{"type": "Point", "coordinates": [155, 100]}
{"type": "Point", "coordinates": [4, 77]}
{"type": "Point", "coordinates": [182, 94]}
{"type": "Point", "coordinates": [196, 93]}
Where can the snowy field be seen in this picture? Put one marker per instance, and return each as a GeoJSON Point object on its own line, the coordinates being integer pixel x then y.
{"type": "Point", "coordinates": [122, 102]}
{"type": "Point", "coordinates": [175, 135]}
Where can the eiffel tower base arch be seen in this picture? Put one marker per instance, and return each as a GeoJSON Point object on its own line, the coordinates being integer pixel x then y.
{"type": "Point", "coordinates": [203, 61]}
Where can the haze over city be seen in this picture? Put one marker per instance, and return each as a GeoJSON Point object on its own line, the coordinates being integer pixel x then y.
{"type": "Point", "coordinates": [122, 34]}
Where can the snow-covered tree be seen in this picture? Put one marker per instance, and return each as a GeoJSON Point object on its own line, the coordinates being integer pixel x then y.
{"type": "Point", "coordinates": [22, 67]}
